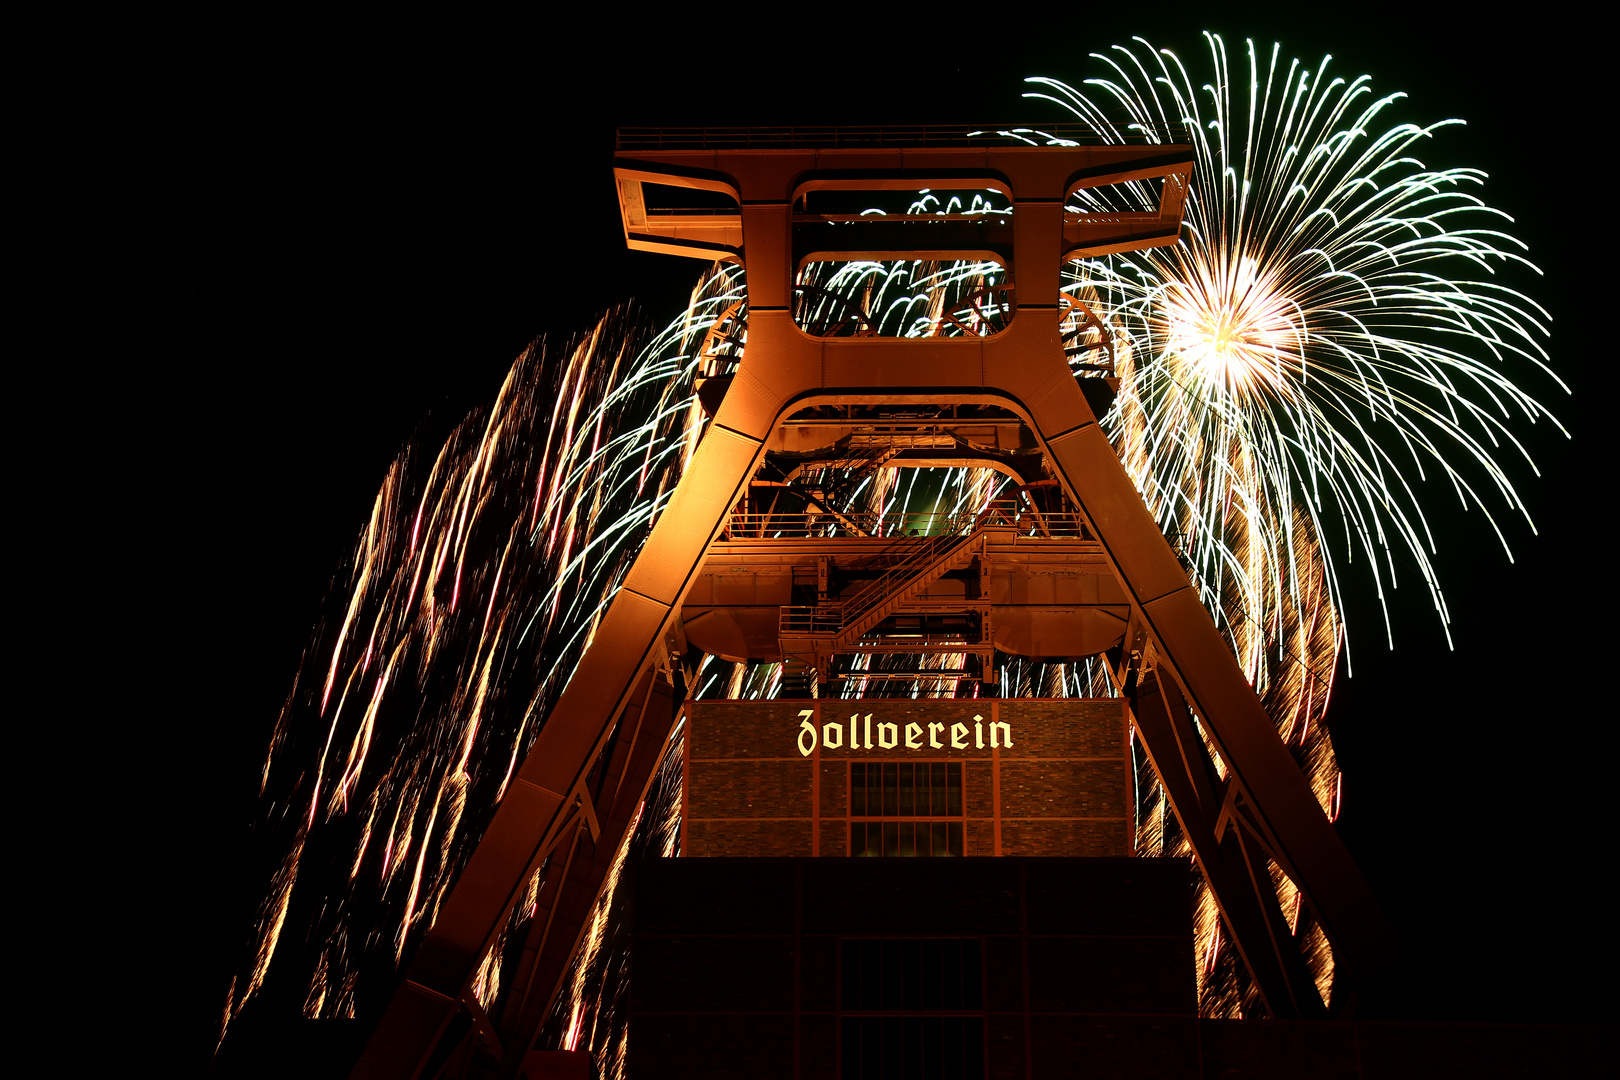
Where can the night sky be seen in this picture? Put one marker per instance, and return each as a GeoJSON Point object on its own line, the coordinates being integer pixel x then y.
{"type": "Point", "coordinates": [338, 237]}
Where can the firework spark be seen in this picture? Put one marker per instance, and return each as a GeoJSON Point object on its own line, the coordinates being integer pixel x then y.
{"type": "Point", "coordinates": [1286, 371]}
{"type": "Point", "coordinates": [475, 587]}
{"type": "Point", "coordinates": [1324, 338]}
{"type": "Point", "coordinates": [1309, 348]}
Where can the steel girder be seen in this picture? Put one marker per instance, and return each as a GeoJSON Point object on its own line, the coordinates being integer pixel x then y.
{"type": "Point", "coordinates": [1229, 844]}
{"type": "Point", "coordinates": [424, 1023]}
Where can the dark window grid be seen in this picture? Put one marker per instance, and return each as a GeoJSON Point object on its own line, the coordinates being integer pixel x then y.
{"type": "Point", "coordinates": [912, 1048]}
{"type": "Point", "coordinates": [905, 788]}
{"type": "Point", "coordinates": [926, 1041]}
{"type": "Point", "coordinates": [914, 1012]}
{"type": "Point", "coordinates": [911, 974]}
{"type": "Point", "coordinates": [906, 838]}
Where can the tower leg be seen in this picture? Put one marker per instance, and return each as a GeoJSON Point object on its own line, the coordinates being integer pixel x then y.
{"type": "Point", "coordinates": [1234, 869]}
{"type": "Point", "coordinates": [543, 807]}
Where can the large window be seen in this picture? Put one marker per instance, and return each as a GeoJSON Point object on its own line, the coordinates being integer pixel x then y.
{"type": "Point", "coordinates": [912, 1010]}
{"type": "Point", "coordinates": [909, 808]}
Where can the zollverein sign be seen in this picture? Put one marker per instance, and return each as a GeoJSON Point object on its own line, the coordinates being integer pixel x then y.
{"type": "Point", "coordinates": [858, 730]}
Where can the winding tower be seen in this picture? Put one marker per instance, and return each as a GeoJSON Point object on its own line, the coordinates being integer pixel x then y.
{"type": "Point", "coordinates": [757, 558]}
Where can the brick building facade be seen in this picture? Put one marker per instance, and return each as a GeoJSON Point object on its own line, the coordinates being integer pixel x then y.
{"type": "Point", "coordinates": [1037, 777]}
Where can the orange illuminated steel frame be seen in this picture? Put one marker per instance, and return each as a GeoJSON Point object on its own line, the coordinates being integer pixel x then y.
{"type": "Point", "coordinates": [577, 790]}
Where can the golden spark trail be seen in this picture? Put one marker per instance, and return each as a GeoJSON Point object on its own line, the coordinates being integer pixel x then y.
{"type": "Point", "coordinates": [1314, 347]}
{"type": "Point", "coordinates": [471, 593]}
{"type": "Point", "coordinates": [1294, 376]}
{"type": "Point", "coordinates": [1303, 350]}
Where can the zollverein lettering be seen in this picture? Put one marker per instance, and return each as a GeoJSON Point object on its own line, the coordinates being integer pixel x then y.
{"type": "Point", "coordinates": [856, 734]}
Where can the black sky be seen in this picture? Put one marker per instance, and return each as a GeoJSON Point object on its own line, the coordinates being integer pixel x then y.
{"type": "Point", "coordinates": [324, 240]}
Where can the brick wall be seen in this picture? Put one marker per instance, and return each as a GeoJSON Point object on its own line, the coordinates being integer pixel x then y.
{"type": "Point", "coordinates": [1060, 785]}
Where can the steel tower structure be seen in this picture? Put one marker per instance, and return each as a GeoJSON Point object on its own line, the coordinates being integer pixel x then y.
{"type": "Point", "coordinates": [992, 386]}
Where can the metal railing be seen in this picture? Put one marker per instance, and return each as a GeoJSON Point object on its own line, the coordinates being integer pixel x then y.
{"type": "Point", "coordinates": [917, 558]}
{"type": "Point", "coordinates": [834, 616]}
{"type": "Point", "coordinates": [863, 525]}
{"type": "Point", "coordinates": [902, 676]}
{"type": "Point", "coordinates": [856, 523]}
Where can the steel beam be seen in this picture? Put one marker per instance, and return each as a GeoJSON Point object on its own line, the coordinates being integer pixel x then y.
{"type": "Point", "coordinates": [1241, 885]}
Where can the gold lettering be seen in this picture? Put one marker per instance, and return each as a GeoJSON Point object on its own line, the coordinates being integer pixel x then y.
{"type": "Point", "coordinates": [807, 730]}
{"type": "Point", "coordinates": [831, 734]}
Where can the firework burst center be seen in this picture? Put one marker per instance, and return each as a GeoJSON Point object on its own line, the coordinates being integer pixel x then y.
{"type": "Point", "coordinates": [1230, 330]}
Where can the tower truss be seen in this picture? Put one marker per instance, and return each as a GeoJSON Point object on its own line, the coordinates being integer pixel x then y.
{"type": "Point", "coordinates": [819, 388]}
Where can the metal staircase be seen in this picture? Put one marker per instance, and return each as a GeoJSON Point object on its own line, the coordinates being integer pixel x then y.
{"type": "Point", "coordinates": [812, 634]}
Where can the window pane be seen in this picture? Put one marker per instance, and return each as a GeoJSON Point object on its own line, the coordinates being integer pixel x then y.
{"type": "Point", "coordinates": [972, 1048]}
{"type": "Point", "coordinates": [851, 1036]}
{"type": "Point", "coordinates": [972, 976]}
{"type": "Point", "coordinates": [932, 976]}
{"type": "Point", "coordinates": [951, 972]}
{"type": "Point", "coordinates": [892, 974]}
{"type": "Point", "coordinates": [871, 1048]}
{"type": "Point", "coordinates": [912, 1028]}
{"type": "Point", "coordinates": [905, 790]}
{"type": "Point", "coordinates": [933, 1038]}
{"type": "Point", "coordinates": [871, 974]}
{"type": "Point", "coordinates": [922, 978]}
{"type": "Point", "coordinates": [893, 1058]}
{"type": "Point", "coordinates": [951, 1047]}
{"type": "Point", "coordinates": [851, 975]}
{"type": "Point", "coordinates": [911, 978]}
